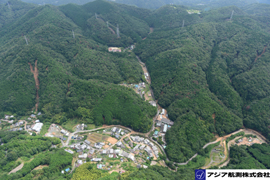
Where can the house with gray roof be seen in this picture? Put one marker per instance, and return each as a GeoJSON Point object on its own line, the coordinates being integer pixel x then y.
{"type": "Point", "coordinates": [87, 142]}
{"type": "Point", "coordinates": [166, 121]}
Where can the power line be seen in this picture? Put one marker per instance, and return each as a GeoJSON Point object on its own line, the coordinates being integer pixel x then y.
{"type": "Point", "coordinates": [8, 5]}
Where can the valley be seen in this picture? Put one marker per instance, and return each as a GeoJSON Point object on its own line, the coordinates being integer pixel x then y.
{"type": "Point", "coordinates": [103, 90]}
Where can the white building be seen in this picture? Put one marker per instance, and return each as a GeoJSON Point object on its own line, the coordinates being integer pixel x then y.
{"type": "Point", "coordinates": [96, 159]}
{"type": "Point", "coordinates": [37, 127]}
{"type": "Point", "coordinates": [113, 129]}
{"type": "Point", "coordinates": [69, 151]}
{"type": "Point", "coordinates": [165, 127]}
{"type": "Point", "coordinates": [163, 111]}
{"type": "Point", "coordinates": [83, 156]}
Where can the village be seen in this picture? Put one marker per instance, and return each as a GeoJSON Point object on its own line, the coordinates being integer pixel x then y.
{"type": "Point", "coordinates": [115, 147]}
{"type": "Point", "coordinates": [108, 146]}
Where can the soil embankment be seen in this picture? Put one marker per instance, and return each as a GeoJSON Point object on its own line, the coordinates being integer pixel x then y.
{"type": "Point", "coordinates": [35, 73]}
{"type": "Point", "coordinates": [264, 49]}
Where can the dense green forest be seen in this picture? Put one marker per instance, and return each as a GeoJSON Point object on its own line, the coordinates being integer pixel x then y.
{"type": "Point", "coordinates": [7, 15]}
{"type": "Point", "coordinates": [19, 147]}
{"type": "Point", "coordinates": [250, 157]}
{"type": "Point", "coordinates": [211, 75]}
{"type": "Point", "coordinates": [130, 26]}
{"type": "Point", "coordinates": [155, 4]}
{"type": "Point", "coordinates": [77, 77]}
{"type": "Point", "coordinates": [257, 9]}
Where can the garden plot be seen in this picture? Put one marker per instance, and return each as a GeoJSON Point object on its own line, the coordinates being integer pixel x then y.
{"type": "Point", "coordinates": [96, 137]}
{"type": "Point", "coordinates": [216, 156]}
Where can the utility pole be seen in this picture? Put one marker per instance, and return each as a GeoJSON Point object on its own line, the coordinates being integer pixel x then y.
{"type": "Point", "coordinates": [183, 25]}
{"type": "Point", "coordinates": [117, 31]}
{"type": "Point", "coordinates": [232, 15]}
{"type": "Point", "coordinates": [96, 15]}
{"type": "Point", "coordinates": [8, 5]}
{"type": "Point", "coordinates": [73, 34]}
{"type": "Point", "coordinates": [107, 24]}
{"type": "Point", "coordinates": [26, 40]}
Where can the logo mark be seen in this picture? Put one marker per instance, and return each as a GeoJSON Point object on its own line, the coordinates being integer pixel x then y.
{"type": "Point", "coordinates": [200, 174]}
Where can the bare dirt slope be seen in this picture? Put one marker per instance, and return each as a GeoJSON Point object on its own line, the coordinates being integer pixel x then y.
{"type": "Point", "coordinates": [35, 73]}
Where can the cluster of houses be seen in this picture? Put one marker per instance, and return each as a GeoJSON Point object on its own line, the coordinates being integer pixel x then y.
{"type": "Point", "coordinates": [80, 161]}
{"type": "Point", "coordinates": [118, 132]}
{"type": "Point", "coordinates": [113, 153]}
{"type": "Point", "coordinates": [36, 127]}
{"type": "Point", "coordinates": [17, 126]}
{"type": "Point", "coordinates": [7, 117]}
{"type": "Point", "coordinates": [163, 122]}
{"type": "Point", "coordinates": [18, 123]}
{"type": "Point", "coordinates": [99, 145]}
{"type": "Point", "coordinates": [80, 147]}
{"type": "Point", "coordinates": [16, 129]}
{"type": "Point", "coordinates": [140, 88]}
{"type": "Point", "coordinates": [33, 116]}
{"type": "Point", "coordinates": [147, 77]}
{"type": "Point", "coordinates": [149, 147]}
{"type": "Point", "coordinates": [66, 133]}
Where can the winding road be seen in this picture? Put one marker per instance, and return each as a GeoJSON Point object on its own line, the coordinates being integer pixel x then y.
{"type": "Point", "coordinates": [219, 139]}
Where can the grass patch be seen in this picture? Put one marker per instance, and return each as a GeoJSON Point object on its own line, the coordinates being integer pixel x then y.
{"type": "Point", "coordinates": [234, 136]}
{"type": "Point", "coordinates": [70, 124]}
{"type": "Point", "coordinates": [196, 163]}
{"type": "Point", "coordinates": [91, 126]}
{"type": "Point", "coordinates": [44, 129]}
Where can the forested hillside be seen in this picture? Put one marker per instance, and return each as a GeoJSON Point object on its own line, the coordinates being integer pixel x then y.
{"type": "Point", "coordinates": [253, 157]}
{"type": "Point", "coordinates": [73, 75]}
{"type": "Point", "coordinates": [130, 26]}
{"type": "Point", "coordinates": [257, 9]}
{"type": "Point", "coordinates": [212, 76]}
{"type": "Point", "coordinates": [155, 4]}
{"type": "Point", "coordinates": [19, 148]}
{"type": "Point", "coordinates": [13, 10]}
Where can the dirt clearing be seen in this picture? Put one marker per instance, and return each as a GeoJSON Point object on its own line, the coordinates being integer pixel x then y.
{"type": "Point", "coordinates": [17, 168]}
{"type": "Point", "coordinates": [249, 143]}
{"type": "Point", "coordinates": [40, 167]}
{"type": "Point", "coordinates": [96, 137]}
{"type": "Point", "coordinates": [112, 140]}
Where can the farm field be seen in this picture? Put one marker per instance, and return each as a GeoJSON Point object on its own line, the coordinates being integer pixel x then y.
{"type": "Point", "coordinates": [96, 137]}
